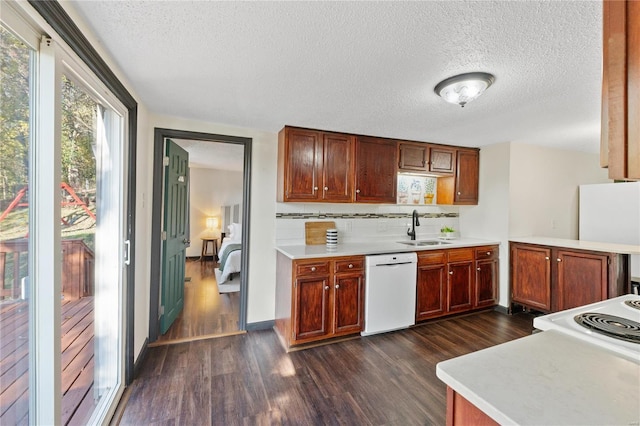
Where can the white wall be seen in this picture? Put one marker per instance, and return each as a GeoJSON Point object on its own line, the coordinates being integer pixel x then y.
{"type": "Point", "coordinates": [490, 218]}
{"type": "Point", "coordinates": [543, 189]}
{"type": "Point", "coordinates": [208, 190]}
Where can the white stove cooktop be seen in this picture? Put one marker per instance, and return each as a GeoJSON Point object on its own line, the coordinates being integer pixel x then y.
{"type": "Point", "coordinates": [564, 322]}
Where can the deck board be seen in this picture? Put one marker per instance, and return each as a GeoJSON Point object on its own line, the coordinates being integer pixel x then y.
{"type": "Point", "coordinates": [77, 361]}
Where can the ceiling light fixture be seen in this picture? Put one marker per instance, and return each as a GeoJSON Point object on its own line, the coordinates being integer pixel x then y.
{"type": "Point", "coordinates": [462, 89]}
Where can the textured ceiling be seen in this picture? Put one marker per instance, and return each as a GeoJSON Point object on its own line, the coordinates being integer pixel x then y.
{"type": "Point", "coordinates": [365, 67]}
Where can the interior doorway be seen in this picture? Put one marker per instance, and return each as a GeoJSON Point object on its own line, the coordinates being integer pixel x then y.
{"type": "Point", "coordinates": [208, 310]}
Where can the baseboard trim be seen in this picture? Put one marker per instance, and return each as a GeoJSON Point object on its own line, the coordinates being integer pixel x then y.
{"type": "Point", "coordinates": [143, 354]}
{"type": "Point", "coordinates": [502, 310]}
{"type": "Point", "coordinates": [262, 325]}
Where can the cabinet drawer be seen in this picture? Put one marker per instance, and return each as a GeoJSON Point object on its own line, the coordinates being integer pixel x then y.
{"type": "Point", "coordinates": [347, 265]}
{"type": "Point", "coordinates": [486, 253]}
{"type": "Point", "coordinates": [314, 268]}
{"type": "Point", "coordinates": [460, 255]}
{"type": "Point", "coordinates": [432, 258]}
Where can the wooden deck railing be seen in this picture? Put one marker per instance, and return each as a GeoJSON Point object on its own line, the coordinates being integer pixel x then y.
{"type": "Point", "coordinates": [77, 269]}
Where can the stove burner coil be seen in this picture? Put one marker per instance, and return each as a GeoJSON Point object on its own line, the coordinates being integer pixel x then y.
{"type": "Point", "coordinates": [633, 303]}
{"type": "Point", "coordinates": [610, 325]}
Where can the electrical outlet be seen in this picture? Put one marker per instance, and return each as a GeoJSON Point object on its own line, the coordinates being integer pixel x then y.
{"type": "Point", "coordinates": [348, 226]}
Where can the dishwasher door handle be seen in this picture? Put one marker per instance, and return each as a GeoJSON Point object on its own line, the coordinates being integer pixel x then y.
{"type": "Point", "coordinates": [394, 264]}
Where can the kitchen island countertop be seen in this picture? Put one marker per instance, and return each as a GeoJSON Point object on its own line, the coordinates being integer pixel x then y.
{"type": "Point", "coordinates": [547, 378]}
{"type": "Point", "coordinates": [579, 244]}
{"type": "Point", "coordinates": [302, 251]}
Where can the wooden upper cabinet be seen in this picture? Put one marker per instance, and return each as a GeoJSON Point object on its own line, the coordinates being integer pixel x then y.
{"type": "Point", "coordinates": [314, 166]}
{"type": "Point", "coordinates": [423, 157]}
{"type": "Point", "coordinates": [376, 170]}
{"type": "Point", "coordinates": [442, 159]}
{"type": "Point", "coordinates": [337, 175]}
{"type": "Point", "coordinates": [620, 137]}
{"type": "Point", "coordinates": [462, 188]}
{"type": "Point", "coordinates": [413, 157]}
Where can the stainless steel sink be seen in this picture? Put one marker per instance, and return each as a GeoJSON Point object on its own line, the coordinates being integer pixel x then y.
{"type": "Point", "coordinates": [421, 243]}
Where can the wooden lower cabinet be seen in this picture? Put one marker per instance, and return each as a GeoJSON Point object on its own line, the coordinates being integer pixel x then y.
{"type": "Point", "coordinates": [462, 412]}
{"type": "Point", "coordinates": [486, 291]}
{"type": "Point", "coordinates": [551, 279]}
{"type": "Point", "coordinates": [460, 284]}
{"type": "Point", "coordinates": [447, 284]}
{"type": "Point", "coordinates": [531, 276]}
{"type": "Point", "coordinates": [318, 299]}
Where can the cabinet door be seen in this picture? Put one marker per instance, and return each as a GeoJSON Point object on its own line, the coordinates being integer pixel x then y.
{"type": "Point", "coordinates": [337, 174]}
{"type": "Point", "coordinates": [467, 171]}
{"type": "Point", "coordinates": [582, 278]}
{"type": "Point", "coordinates": [376, 170]}
{"type": "Point", "coordinates": [348, 303]}
{"type": "Point", "coordinates": [442, 160]}
{"type": "Point", "coordinates": [459, 286]}
{"type": "Point", "coordinates": [303, 161]}
{"type": "Point", "coordinates": [311, 310]}
{"type": "Point", "coordinates": [430, 291]}
{"type": "Point", "coordinates": [531, 276]}
{"type": "Point", "coordinates": [486, 293]}
{"type": "Point", "coordinates": [412, 157]}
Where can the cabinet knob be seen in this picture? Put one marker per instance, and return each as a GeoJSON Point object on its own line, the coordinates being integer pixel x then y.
{"type": "Point", "coordinates": [326, 287]}
{"type": "Point", "coordinates": [313, 269]}
{"type": "Point", "coordinates": [479, 269]}
{"type": "Point", "coordinates": [337, 285]}
{"type": "Point", "coordinates": [450, 272]}
{"type": "Point", "coordinates": [326, 188]}
{"type": "Point", "coordinates": [559, 260]}
{"type": "Point", "coordinates": [488, 253]}
{"type": "Point", "coordinates": [350, 265]}
{"type": "Point", "coordinates": [546, 258]}
{"type": "Point", "coordinates": [357, 191]}
{"type": "Point", "coordinates": [315, 188]}
{"type": "Point", "coordinates": [459, 192]}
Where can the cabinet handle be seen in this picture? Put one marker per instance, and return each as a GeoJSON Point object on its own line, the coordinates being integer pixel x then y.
{"type": "Point", "coordinates": [546, 258]}
{"type": "Point", "coordinates": [313, 269]}
{"type": "Point", "coordinates": [326, 188]}
{"type": "Point", "coordinates": [350, 265]}
{"type": "Point", "coordinates": [450, 272]}
{"type": "Point", "coordinates": [326, 287]}
{"type": "Point", "coordinates": [559, 260]}
{"type": "Point", "coordinates": [479, 269]}
{"type": "Point", "coordinates": [357, 191]}
{"type": "Point", "coordinates": [337, 285]}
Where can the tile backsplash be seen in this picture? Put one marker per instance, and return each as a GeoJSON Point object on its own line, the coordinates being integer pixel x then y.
{"type": "Point", "coordinates": [362, 223]}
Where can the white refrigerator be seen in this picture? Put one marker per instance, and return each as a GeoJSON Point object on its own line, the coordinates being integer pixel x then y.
{"type": "Point", "coordinates": [610, 213]}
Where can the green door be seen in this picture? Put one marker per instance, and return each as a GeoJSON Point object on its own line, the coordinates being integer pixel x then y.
{"type": "Point", "coordinates": [176, 186]}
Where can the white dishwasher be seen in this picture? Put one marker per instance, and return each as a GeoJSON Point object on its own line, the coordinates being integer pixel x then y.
{"type": "Point", "coordinates": [390, 294]}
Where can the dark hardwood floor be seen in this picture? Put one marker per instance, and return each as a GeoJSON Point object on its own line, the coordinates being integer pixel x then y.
{"type": "Point", "coordinates": [387, 379]}
{"type": "Point", "coordinates": [206, 313]}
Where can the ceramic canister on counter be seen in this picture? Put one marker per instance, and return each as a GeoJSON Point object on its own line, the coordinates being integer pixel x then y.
{"type": "Point", "coordinates": [332, 237]}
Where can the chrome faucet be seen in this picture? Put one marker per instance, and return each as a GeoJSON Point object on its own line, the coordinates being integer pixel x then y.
{"type": "Point", "coordinates": [414, 222]}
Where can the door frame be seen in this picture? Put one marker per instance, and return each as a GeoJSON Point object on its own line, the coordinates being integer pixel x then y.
{"type": "Point", "coordinates": [159, 135]}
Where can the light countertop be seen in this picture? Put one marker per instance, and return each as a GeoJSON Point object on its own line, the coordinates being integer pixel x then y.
{"type": "Point", "coordinates": [378, 247]}
{"type": "Point", "coordinates": [580, 244]}
{"type": "Point", "coordinates": [547, 378]}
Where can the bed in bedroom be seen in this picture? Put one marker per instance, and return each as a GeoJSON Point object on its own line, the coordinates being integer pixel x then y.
{"type": "Point", "coordinates": [230, 261]}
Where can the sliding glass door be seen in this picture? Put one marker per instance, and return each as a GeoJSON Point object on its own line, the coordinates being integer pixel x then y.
{"type": "Point", "coordinates": [63, 248]}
